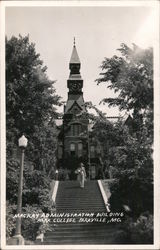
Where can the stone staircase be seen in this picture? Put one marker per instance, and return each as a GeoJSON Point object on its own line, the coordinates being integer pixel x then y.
{"type": "Point", "coordinates": [72, 199]}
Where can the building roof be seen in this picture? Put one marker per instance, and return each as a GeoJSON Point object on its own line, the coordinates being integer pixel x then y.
{"type": "Point", "coordinates": [78, 101]}
{"type": "Point", "coordinates": [75, 77]}
{"type": "Point", "coordinates": [74, 56]}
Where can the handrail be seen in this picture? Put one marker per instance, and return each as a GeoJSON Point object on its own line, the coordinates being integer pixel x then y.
{"type": "Point", "coordinates": [55, 191]}
{"type": "Point", "coordinates": [105, 199]}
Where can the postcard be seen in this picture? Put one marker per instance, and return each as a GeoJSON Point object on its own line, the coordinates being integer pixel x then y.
{"type": "Point", "coordinates": [80, 125]}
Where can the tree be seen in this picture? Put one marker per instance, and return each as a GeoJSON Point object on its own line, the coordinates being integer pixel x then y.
{"type": "Point", "coordinates": [31, 102]}
{"type": "Point", "coordinates": [30, 95]}
{"type": "Point", "coordinates": [131, 77]}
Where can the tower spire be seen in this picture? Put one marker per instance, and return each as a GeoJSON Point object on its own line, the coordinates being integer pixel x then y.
{"type": "Point", "coordinates": [74, 57]}
{"type": "Point", "coordinates": [74, 42]}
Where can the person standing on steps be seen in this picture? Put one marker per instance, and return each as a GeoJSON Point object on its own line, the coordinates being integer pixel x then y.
{"type": "Point", "coordinates": [81, 174]}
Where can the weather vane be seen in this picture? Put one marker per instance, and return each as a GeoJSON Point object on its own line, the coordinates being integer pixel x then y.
{"type": "Point", "coordinates": [74, 42]}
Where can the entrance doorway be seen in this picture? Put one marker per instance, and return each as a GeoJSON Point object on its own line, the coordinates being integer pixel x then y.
{"type": "Point", "coordinates": [93, 172]}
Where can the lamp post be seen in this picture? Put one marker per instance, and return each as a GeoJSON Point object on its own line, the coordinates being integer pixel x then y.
{"type": "Point", "coordinates": [22, 143]}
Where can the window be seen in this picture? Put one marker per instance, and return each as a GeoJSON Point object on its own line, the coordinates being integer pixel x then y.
{"type": "Point", "coordinates": [75, 129]}
{"type": "Point", "coordinates": [80, 149]}
{"type": "Point", "coordinates": [92, 151]}
{"type": "Point", "coordinates": [72, 148]}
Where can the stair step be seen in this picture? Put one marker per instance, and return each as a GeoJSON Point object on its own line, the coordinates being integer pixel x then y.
{"type": "Point", "coordinates": [80, 209]}
{"type": "Point", "coordinates": [79, 232]}
{"type": "Point", "coordinates": [78, 206]}
{"type": "Point", "coordinates": [74, 197]}
{"type": "Point", "coordinates": [73, 235]}
{"type": "Point", "coordinates": [70, 198]}
{"type": "Point", "coordinates": [78, 224]}
{"type": "Point", "coordinates": [80, 228]}
{"type": "Point", "coordinates": [76, 210]}
{"type": "Point", "coordinates": [81, 240]}
{"type": "Point", "coordinates": [77, 195]}
{"type": "Point", "coordinates": [79, 236]}
{"type": "Point", "coordinates": [78, 202]}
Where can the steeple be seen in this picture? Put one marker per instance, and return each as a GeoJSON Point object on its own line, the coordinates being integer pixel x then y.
{"type": "Point", "coordinates": [74, 57]}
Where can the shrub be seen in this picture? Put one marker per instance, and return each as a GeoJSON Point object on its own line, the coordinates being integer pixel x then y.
{"type": "Point", "coordinates": [36, 199]}
{"type": "Point", "coordinates": [139, 231]}
{"type": "Point", "coordinates": [10, 222]}
{"type": "Point", "coordinates": [12, 180]}
{"type": "Point", "coordinates": [30, 226]}
{"type": "Point", "coordinates": [135, 192]}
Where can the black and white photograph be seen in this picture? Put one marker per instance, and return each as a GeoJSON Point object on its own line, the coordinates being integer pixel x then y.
{"type": "Point", "coordinates": [80, 125]}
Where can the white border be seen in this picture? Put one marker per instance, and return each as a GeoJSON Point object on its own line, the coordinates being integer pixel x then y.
{"type": "Point", "coordinates": [85, 3]}
{"type": "Point", "coordinates": [152, 3]}
{"type": "Point", "coordinates": [156, 147]}
{"type": "Point", "coordinates": [2, 125]}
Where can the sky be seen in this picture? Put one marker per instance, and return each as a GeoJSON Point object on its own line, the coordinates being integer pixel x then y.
{"type": "Point", "coordinates": [98, 31]}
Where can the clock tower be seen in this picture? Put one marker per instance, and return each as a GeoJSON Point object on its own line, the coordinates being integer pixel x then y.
{"type": "Point", "coordinates": [75, 82]}
{"type": "Point", "coordinates": [73, 136]}
{"type": "Point", "coordinates": [75, 102]}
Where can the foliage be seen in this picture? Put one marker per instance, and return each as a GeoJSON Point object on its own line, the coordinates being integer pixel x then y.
{"type": "Point", "coordinates": [12, 179]}
{"type": "Point", "coordinates": [10, 222]}
{"type": "Point", "coordinates": [43, 150]}
{"type": "Point", "coordinates": [30, 226]}
{"type": "Point", "coordinates": [36, 199]}
{"type": "Point", "coordinates": [131, 76]}
{"type": "Point", "coordinates": [128, 146]}
{"type": "Point", "coordinates": [139, 231]}
{"type": "Point", "coordinates": [30, 96]}
{"type": "Point", "coordinates": [132, 191]}
{"type": "Point", "coordinates": [31, 102]}
{"type": "Point", "coordinates": [36, 189]}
